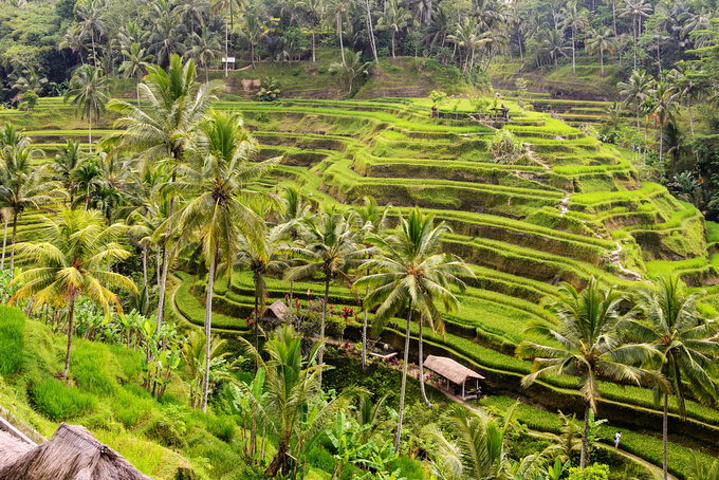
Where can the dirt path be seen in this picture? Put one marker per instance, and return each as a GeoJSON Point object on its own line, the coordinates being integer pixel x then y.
{"type": "Point", "coordinates": [615, 257]}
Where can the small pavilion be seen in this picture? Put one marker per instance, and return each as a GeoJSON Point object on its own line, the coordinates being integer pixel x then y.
{"type": "Point", "coordinates": [455, 376]}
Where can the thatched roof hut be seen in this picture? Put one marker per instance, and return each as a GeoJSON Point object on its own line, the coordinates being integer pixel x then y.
{"type": "Point", "coordinates": [71, 454]}
{"type": "Point", "coordinates": [278, 311]}
{"type": "Point", "coordinates": [11, 448]}
{"type": "Point", "coordinates": [454, 372]}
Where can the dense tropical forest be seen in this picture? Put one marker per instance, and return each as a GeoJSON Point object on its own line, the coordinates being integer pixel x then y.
{"type": "Point", "coordinates": [323, 239]}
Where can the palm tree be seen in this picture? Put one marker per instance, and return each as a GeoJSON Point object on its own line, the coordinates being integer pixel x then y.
{"type": "Point", "coordinates": [600, 41]}
{"type": "Point", "coordinates": [88, 90]}
{"type": "Point", "coordinates": [22, 186]}
{"type": "Point", "coordinates": [575, 19]}
{"type": "Point", "coordinates": [292, 218]}
{"type": "Point", "coordinates": [472, 444]}
{"type": "Point", "coordinates": [160, 131]}
{"type": "Point", "coordinates": [637, 10]}
{"type": "Point", "coordinates": [394, 18]}
{"type": "Point", "coordinates": [314, 11]}
{"type": "Point", "coordinates": [92, 22]}
{"type": "Point", "coordinates": [554, 45]}
{"type": "Point", "coordinates": [351, 68]}
{"type": "Point", "coordinates": [688, 343]}
{"type": "Point", "coordinates": [263, 256]}
{"type": "Point", "coordinates": [290, 407]}
{"type": "Point", "coordinates": [664, 99]}
{"type": "Point", "coordinates": [228, 6]}
{"type": "Point", "coordinates": [373, 221]}
{"type": "Point", "coordinates": [64, 165]}
{"type": "Point", "coordinates": [194, 357]}
{"type": "Point", "coordinates": [73, 262]}
{"type": "Point", "coordinates": [217, 212]}
{"type": "Point", "coordinates": [205, 47]}
{"type": "Point", "coordinates": [330, 247]}
{"type": "Point", "coordinates": [411, 275]}
{"type": "Point", "coordinates": [468, 37]}
{"type": "Point", "coordinates": [636, 89]}
{"type": "Point", "coordinates": [133, 66]}
{"type": "Point", "coordinates": [590, 344]}
{"type": "Point", "coordinates": [253, 30]}
{"type": "Point", "coordinates": [338, 10]}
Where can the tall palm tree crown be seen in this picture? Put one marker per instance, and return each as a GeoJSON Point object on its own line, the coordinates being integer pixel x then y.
{"type": "Point", "coordinates": [72, 262]}
{"type": "Point", "coordinates": [590, 343]}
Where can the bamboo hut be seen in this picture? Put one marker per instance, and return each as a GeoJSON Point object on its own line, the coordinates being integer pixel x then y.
{"type": "Point", "coordinates": [455, 375]}
{"type": "Point", "coordinates": [71, 454]}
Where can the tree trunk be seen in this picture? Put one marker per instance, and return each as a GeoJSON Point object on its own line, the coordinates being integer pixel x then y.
{"type": "Point", "coordinates": [364, 331]}
{"type": "Point", "coordinates": [323, 325]}
{"type": "Point", "coordinates": [339, 32]}
{"type": "Point", "coordinates": [70, 320]}
{"type": "Point", "coordinates": [584, 456]}
{"type": "Point", "coordinates": [279, 461]}
{"type": "Point", "coordinates": [257, 316]}
{"type": "Point", "coordinates": [227, 37]}
{"type": "Point", "coordinates": [421, 364]}
{"type": "Point", "coordinates": [4, 241]}
{"type": "Point", "coordinates": [314, 58]}
{"type": "Point", "coordinates": [208, 330]}
{"type": "Point", "coordinates": [665, 437]}
{"type": "Point", "coordinates": [144, 274]}
{"type": "Point", "coordinates": [372, 41]}
{"type": "Point", "coordinates": [89, 131]}
{"type": "Point", "coordinates": [661, 144]}
{"type": "Point", "coordinates": [393, 35]}
{"type": "Point", "coordinates": [614, 16]}
{"type": "Point", "coordinates": [691, 116]}
{"type": "Point", "coordinates": [403, 388]}
{"type": "Point", "coordinates": [601, 58]}
{"type": "Point", "coordinates": [574, 49]}
{"type": "Point", "coordinates": [14, 240]}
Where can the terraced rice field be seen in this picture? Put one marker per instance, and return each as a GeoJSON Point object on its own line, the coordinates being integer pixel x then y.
{"type": "Point", "coordinates": [570, 208]}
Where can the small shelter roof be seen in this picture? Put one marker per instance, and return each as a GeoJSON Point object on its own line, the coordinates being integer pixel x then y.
{"type": "Point", "coordinates": [11, 448]}
{"type": "Point", "coordinates": [279, 310]}
{"type": "Point", "coordinates": [71, 454]}
{"type": "Point", "coordinates": [453, 371]}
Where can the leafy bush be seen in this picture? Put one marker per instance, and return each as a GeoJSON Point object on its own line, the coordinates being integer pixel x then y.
{"type": "Point", "coordinates": [12, 324]}
{"type": "Point", "coordinates": [58, 401]}
{"type": "Point", "coordinates": [597, 471]}
{"type": "Point", "coordinates": [505, 146]}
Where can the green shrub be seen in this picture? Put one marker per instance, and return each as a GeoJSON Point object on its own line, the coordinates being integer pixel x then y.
{"type": "Point", "coordinates": [167, 431]}
{"type": "Point", "coordinates": [597, 471]}
{"type": "Point", "coordinates": [12, 324]}
{"type": "Point", "coordinates": [320, 458]}
{"type": "Point", "coordinates": [408, 468]}
{"type": "Point", "coordinates": [58, 401]}
{"type": "Point", "coordinates": [89, 367]}
{"type": "Point", "coordinates": [223, 427]}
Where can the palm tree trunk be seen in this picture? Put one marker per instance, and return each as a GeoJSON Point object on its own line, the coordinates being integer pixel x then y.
{"type": "Point", "coordinates": [314, 58]}
{"type": "Point", "coordinates": [227, 37]}
{"type": "Point", "coordinates": [421, 365]}
{"type": "Point", "coordinates": [661, 144]}
{"type": "Point", "coordinates": [584, 456]}
{"type": "Point", "coordinates": [691, 116]}
{"type": "Point", "coordinates": [339, 32]}
{"type": "Point", "coordinates": [323, 325]}
{"type": "Point", "coordinates": [4, 241]}
{"type": "Point", "coordinates": [70, 320]}
{"type": "Point", "coordinates": [144, 274]}
{"type": "Point", "coordinates": [665, 436]}
{"type": "Point", "coordinates": [364, 331]}
{"type": "Point", "coordinates": [601, 58]}
{"type": "Point", "coordinates": [614, 16]}
{"type": "Point", "coordinates": [403, 387]}
{"type": "Point", "coordinates": [574, 49]}
{"type": "Point", "coordinates": [393, 35]}
{"type": "Point", "coordinates": [14, 240]}
{"type": "Point", "coordinates": [257, 316]}
{"type": "Point", "coordinates": [372, 41]}
{"type": "Point", "coordinates": [208, 330]}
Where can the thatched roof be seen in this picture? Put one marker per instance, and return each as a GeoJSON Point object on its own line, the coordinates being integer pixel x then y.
{"type": "Point", "coordinates": [71, 454]}
{"type": "Point", "coordinates": [11, 448]}
{"type": "Point", "coordinates": [279, 310]}
{"type": "Point", "coordinates": [453, 371]}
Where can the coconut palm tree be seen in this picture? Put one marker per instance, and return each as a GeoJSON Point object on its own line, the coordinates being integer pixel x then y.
{"type": "Point", "coordinates": [64, 165]}
{"type": "Point", "coordinates": [688, 343]}
{"type": "Point", "coordinates": [292, 218]}
{"type": "Point", "coordinates": [73, 262]}
{"type": "Point", "coordinates": [133, 65]}
{"type": "Point", "coordinates": [263, 256]}
{"type": "Point", "coordinates": [636, 89]}
{"type": "Point", "coordinates": [92, 23]}
{"type": "Point", "coordinates": [217, 211]}
{"type": "Point", "coordinates": [289, 407]}
{"type": "Point", "coordinates": [204, 49]}
{"type": "Point", "coordinates": [575, 19]}
{"type": "Point", "coordinates": [314, 11]}
{"type": "Point", "coordinates": [664, 100]}
{"type": "Point", "coordinates": [590, 344]}
{"type": "Point", "coordinates": [410, 275]}
{"type": "Point", "coordinates": [351, 68]}
{"type": "Point", "coordinates": [394, 18]}
{"type": "Point", "coordinates": [637, 10]}
{"type": "Point", "coordinates": [330, 247]}
{"type": "Point", "coordinates": [160, 131]}
{"type": "Point", "coordinates": [373, 220]}
{"type": "Point", "coordinates": [471, 445]}
{"type": "Point", "coordinates": [88, 91]}
{"type": "Point", "coordinates": [22, 186]}
{"type": "Point", "coordinates": [600, 41]}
